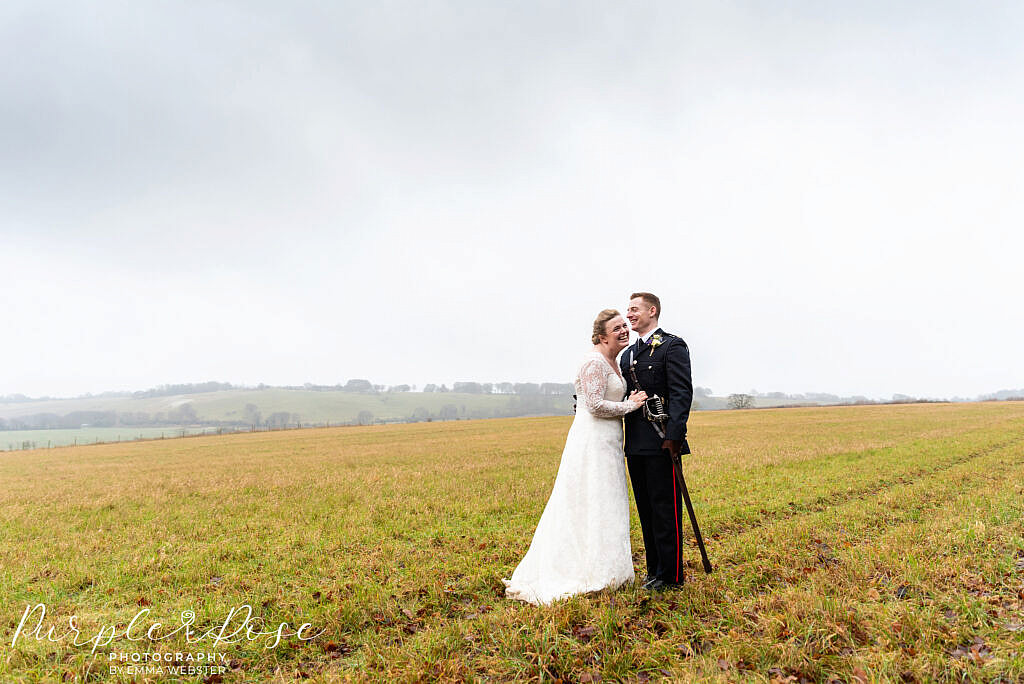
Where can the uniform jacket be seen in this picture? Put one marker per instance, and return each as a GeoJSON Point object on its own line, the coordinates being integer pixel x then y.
{"type": "Point", "coordinates": [662, 369]}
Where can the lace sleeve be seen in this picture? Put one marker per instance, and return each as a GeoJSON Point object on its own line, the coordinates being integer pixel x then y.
{"type": "Point", "coordinates": [593, 381]}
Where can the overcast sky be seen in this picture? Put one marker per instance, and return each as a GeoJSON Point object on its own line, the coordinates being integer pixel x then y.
{"type": "Point", "coordinates": [825, 195]}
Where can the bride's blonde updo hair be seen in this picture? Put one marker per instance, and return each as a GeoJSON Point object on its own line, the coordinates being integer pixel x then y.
{"type": "Point", "coordinates": [600, 322]}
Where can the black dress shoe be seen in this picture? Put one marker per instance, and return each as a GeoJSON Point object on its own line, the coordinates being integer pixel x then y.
{"type": "Point", "coordinates": [661, 585]}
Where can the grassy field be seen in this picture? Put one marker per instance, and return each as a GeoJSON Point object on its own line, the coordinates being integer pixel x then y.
{"type": "Point", "coordinates": [44, 439]}
{"type": "Point", "coordinates": [875, 543]}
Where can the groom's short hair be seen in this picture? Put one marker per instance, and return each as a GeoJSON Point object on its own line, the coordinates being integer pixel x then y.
{"type": "Point", "coordinates": [649, 300]}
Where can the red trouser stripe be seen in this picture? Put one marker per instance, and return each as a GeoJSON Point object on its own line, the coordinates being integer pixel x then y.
{"type": "Point", "coordinates": [675, 511]}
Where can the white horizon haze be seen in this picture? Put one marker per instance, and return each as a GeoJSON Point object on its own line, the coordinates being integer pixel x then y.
{"type": "Point", "coordinates": [826, 197]}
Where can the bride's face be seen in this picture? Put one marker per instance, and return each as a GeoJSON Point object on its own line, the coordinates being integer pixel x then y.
{"type": "Point", "coordinates": [616, 334]}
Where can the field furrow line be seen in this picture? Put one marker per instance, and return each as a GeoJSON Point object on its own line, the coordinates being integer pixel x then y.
{"type": "Point", "coordinates": [739, 526]}
{"type": "Point", "coordinates": [902, 512]}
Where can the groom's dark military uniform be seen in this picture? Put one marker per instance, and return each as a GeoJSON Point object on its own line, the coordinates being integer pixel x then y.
{"type": "Point", "coordinates": [662, 369]}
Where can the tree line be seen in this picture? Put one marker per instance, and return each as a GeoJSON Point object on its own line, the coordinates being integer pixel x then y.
{"type": "Point", "coordinates": [252, 417]}
{"type": "Point", "coordinates": [184, 414]}
{"type": "Point", "coordinates": [181, 415]}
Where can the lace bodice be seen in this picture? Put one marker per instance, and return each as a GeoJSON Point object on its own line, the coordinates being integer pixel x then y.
{"type": "Point", "coordinates": [600, 389]}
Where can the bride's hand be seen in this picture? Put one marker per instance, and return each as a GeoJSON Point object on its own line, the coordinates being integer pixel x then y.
{"type": "Point", "coordinates": [638, 397]}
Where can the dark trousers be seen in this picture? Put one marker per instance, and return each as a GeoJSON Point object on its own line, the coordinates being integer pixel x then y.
{"type": "Point", "coordinates": [659, 503]}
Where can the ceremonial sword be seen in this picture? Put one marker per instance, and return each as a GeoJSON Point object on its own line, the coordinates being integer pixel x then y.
{"type": "Point", "coordinates": [654, 411]}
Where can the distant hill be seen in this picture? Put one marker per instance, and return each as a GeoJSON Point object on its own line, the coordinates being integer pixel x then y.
{"type": "Point", "coordinates": [283, 407]}
{"type": "Point", "coordinates": [218, 404]}
{"type": "Point", "coordinates": [275, 407]}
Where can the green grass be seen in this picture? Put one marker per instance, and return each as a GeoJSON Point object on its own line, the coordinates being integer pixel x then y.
{"type": "Point", "coordinates": [857, 543]}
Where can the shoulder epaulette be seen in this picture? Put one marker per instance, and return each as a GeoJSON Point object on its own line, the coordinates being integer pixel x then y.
{"type": "Point", "coordinates": [676, 337]}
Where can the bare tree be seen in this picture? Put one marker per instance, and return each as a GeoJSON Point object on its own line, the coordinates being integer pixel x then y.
{"type": "Point", "coordinates": [740, 401]}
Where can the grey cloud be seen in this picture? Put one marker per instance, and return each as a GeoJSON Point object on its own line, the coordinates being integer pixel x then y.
{"type": "Point", "coordinates": [472, 164]}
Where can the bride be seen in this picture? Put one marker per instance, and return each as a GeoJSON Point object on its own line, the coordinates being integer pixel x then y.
{"type": "Point", "coordinates": [582, 540]}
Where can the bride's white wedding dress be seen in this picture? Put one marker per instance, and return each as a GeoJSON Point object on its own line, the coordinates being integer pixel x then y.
{"type": "Point", "coordinates": [582, 540]}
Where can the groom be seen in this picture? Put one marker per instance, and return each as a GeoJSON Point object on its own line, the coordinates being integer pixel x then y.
{"type": "Point", "coordinates": [662, 364]}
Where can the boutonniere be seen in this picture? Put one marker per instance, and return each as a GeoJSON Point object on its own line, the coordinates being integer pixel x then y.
{"type": "Point", "coordinates": [655, 341]}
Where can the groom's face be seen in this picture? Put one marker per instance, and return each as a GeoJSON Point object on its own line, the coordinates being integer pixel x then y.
{"type": "Point", "coordinates": [641, 315]}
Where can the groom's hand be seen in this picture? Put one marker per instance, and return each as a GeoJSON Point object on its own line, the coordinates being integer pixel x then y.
{"type": "Point", "coordinates": [673, 446]}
